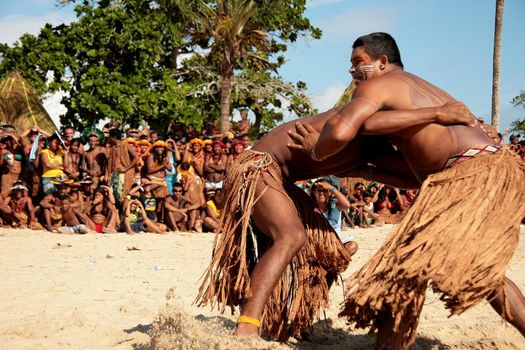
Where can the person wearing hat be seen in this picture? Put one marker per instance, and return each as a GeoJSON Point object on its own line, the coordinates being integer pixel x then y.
{"type": "Point", "coordinates": [95, 160]}
{"type": "Point", "coordinates": [194, 155]}
{"type": "Point", "coordinates": [156, 166]}
{"type": "Point", "coordinates": [17, 208]}
{"type": "Point", "coordinates": [237, 147]}
{"type": "Point", "coordinates": [12, 161]}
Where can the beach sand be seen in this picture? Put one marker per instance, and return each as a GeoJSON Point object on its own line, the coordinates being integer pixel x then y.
{"type": "Point", "coordinates": [136, 292]}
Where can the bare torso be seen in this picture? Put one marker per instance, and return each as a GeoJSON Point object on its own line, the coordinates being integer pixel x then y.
{"type": "Point", "coordinates": [296, 165]}
{"type": "Point", "coordinates": [426, 148]}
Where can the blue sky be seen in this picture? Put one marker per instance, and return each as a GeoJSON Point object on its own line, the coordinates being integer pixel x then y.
{"type": "Point", "coordinates": [448, 43]}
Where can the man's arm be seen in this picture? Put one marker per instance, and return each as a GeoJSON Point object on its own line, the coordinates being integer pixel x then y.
{"type": "Point", "coordinates": [389, 122]}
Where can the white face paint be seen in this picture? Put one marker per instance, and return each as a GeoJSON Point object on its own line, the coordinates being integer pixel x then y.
{"type": "Point", "coordinates": [360, 72]}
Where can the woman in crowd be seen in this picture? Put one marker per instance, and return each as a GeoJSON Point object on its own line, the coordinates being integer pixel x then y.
{"type": "Point", "coordinates": [174, 158]}
{"type": "Point", "coordinates": [194, 155]}
{"type": "Point", "coordinates": [52, 159]}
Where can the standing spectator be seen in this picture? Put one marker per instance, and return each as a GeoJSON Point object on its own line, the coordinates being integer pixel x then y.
{"type": "Point", "coordinates": [174, 158]}
{"type": "Point", "coordinates": [157, 163]}
{"type": "Point", "coordinates": [52, 160]}
{"type": "Point", "coordinates": [95, 160]}
{"type": "Point", "coordinates": [12, 161]}
{"type": "Point", "coordinates": [122, 162]}
{"type": "Point", "coordinates": [194, 155]}
{"type": "Point", "coordinates": [215, 167]}
{"type": "Point", "coordinates": [237, 147]}
{"type": "Point", "coordinates": [243, 127]}
{"type": "Point", "coordinates": [73, 160]}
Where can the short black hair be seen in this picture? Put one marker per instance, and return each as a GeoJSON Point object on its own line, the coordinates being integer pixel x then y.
{"type": "Point", "coordinates": [115, 133]}
{"type": "Point", "coordinates": [177, 184]}
{"type": "Point", "coordinates": [367, 194]}
{"type": "Point", "coordinates": [378, 44]}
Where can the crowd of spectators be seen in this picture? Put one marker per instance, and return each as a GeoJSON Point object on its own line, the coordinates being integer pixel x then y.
{"type": "Point", "coordinates": [129, 180]}
{"type": "Point", "coordinates": [116, 179]}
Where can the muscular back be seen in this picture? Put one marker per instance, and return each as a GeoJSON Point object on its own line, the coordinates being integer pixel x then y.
{"type": "Point", "coordinates": [428, 147]}
{"type": "Point", "coordinates": [296, 165]}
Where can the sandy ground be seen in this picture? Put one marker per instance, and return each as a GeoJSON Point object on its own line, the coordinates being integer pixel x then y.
{"type": "Point", "coordinates": [136, 292]}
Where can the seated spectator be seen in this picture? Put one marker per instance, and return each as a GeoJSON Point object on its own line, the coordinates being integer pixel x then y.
{"type": "Point", "coordinates": [149, 202]}
{"type": "Point", "coordinates": [331, 202]}
{"type": "Point", "coordinates": [71, 216]}
{"type": "Point", "coordinates": [17, 208]}
{"type": "Point", "coordinates": [136, 220]}
{"type": "Point", "coordinates": [177, 207]}
{"type": "Point", "coordinates": [50, 207]}
{"type": "Point", "coordinates": [102, 215]}
{"type": "Point", "coordinates": [370, 218]}
{"type": "Point", "coordinates": [211, 215]}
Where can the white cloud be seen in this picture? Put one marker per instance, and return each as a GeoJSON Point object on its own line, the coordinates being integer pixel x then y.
{"type": "Point", "coordinates": [327, 99]}
{"type": "Point", "coordinates": [12, 27]}
{"type": "Point", "coordinates": [358, 21]}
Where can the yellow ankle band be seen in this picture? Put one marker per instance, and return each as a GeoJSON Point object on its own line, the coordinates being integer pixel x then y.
{"type": "Point", "coordinates": [250, 320]}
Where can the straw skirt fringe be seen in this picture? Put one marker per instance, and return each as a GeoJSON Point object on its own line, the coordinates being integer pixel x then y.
{"type": "Point", "coordinates": [303, 288]}
{"type": "Point", "coordinates": [459, 235]}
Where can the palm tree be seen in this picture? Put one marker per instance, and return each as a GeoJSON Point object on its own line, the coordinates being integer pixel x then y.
{"type": "Point", "coordinates": [496, 58]}
{"type": "Point", "coordinates": [235, 36]}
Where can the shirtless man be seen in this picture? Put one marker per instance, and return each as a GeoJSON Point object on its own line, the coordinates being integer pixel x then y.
{"type": "Point", "coordinates": [458, 165]}
{"type": "Point", "coordinates": [276, 216]}
{"type": "Point", "coordinates": [72, 217]}
{"type": "Point", "coordinates": [244, 124]}
{"type": "Point", "coordinates": [177, 207]}
{"type": "Point", "coordinates": [122, 160]}
{"type": "Point", "coordinates": [95, 160]}
{"type": "Point", "coordinates": [215, 167]}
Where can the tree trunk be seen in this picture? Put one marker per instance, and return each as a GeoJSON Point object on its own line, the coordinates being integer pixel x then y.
{"type": "Point", "coordinates": [226, 88]}
{"type": "Point", "coordinates": [496, 57]}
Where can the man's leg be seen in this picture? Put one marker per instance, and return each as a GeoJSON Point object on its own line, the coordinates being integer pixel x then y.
{"type": "Point", "coordinates": [510, 304]}
{"type": "Point", "coordinates": [274, 215]}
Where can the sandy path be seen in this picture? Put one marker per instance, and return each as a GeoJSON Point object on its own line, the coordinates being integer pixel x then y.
{"type": "Point", "coordinates": [92, 291]}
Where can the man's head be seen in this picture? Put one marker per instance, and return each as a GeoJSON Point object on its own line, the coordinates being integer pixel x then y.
{"type": "Point", "coordinates": [69, 133]}
{"type": "Point", "coordinates": [114, 136]}
{"type": "Point", "coordinates": [74, 145]}
{"type": "Point", "coordinates": [93, 141]}
{"type": "Point", "coordinates": [372, 54]}
{"type": "Point", "coordinates": [177, 190]}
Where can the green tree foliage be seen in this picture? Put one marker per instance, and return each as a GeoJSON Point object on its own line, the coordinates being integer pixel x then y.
{"type": "Point", "coordinates": [119, 61]}
{"type": "Point", "coordinates": [519, 124]}
{"type": "Point", "coordinates": [240, 35]}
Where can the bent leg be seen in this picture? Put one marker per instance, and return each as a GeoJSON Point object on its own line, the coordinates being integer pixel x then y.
{"type": "Point", "coordinates": [510, 304]}
{"type": "Point", "coordinates": [274, 215]}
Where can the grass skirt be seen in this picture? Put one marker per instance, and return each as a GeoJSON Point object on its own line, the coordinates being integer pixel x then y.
{"type": "Point", "coordinates": [459, 236]}
{"type": "Point", "coordinates": [303, 288]}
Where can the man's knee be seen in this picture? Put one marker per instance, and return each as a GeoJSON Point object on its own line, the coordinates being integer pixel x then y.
{"type": "Point", "coordinates": [295, 239]}
{"type": "Point", "coordinates": [351, 247]}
